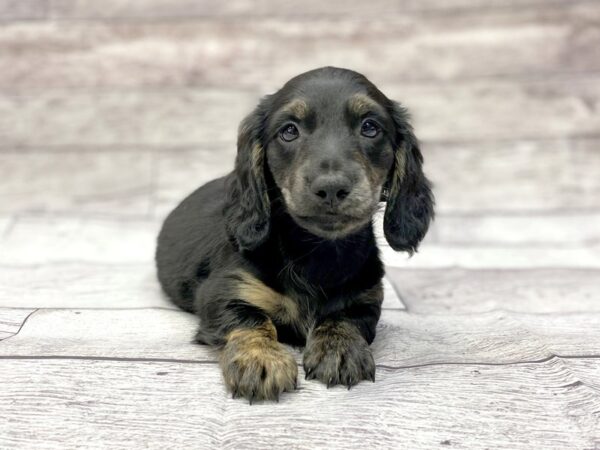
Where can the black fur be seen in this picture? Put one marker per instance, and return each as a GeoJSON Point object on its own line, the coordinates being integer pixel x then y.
{"type": "Point", "coordinates": [242, 257]}
{"type": "Point", "coordinates": [410, 209]}
{"type": "Point", "coordinates": [247, 209]}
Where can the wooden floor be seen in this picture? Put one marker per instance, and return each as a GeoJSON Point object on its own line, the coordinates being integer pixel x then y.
{"type": "Point", "coordinates": [112, 111]}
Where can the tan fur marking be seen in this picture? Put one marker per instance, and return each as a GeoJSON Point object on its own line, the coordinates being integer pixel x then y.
{"type": "Point", "coordinates": [336, 330]}
{"type": "Point", "coordinates": [374, 177]}
{"type": "Point", "coordinates": [399, 171]}
{"type": "Point", "coordinates": [298, 108]}
{"type": "Point", "coordinates": [276, 305]}
{"type": "Point", "coordinates": [266, 330]}
{"type": "Point", "coordinates": [257, 158]}
{"type": "Point", "coordinates": [361, 104]}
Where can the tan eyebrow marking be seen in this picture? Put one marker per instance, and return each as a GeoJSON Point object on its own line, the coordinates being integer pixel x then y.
{"type": "Point", "coordinates": [361, 104]}
{"type": "Point", "coordinates": [298, 108]}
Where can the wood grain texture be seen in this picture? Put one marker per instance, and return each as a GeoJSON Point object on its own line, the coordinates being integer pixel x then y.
{"type": "Point", "coordinates": [524, 176]}
{"type": "Point", "coordinates": [403, 339]}
{"type": "Point", "coordinates": [552, 230]}
{"type": "Point", "coordinates": [127, 333]}
{"type": "Point", "coordinates": [286, 9]}
{"type": "Point", "coordinates": [460, 291]}
{"type": "Point", "coordinates": [122, 118]}
{"type": "Point", "coordinates": [500, 256]}
{"type": "Point", "coordinates": [488, 110]}
{"type": "Point", "coordinates": [570, 331]}
{"type": "Point", "coordinates": [23, 9]}
{"type": "Point", "coordinates": [181, 172]}
{"type": "Point", "coordinates": [99, 404]}
{"type": "Point", "coordinates": [98, 182]}
{"type": "Point", "coordinates": [587, 370]}
{"type": "Point", "coordinates": [43, 240]}
{"type": "Point", "coordinates": [80, 285]}
{"type": "Point", "coordinates": [406, 339]}
{"type": "Point", "coordinates": [494, 256]}
{"type": "Point", "coordinates": [239, 52]}
{"type": "Point", "coordinates": [550, 108]}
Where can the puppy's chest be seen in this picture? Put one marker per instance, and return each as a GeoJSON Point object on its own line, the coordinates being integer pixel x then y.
{"type": "Point", "coordinates": [299, 308]}
{"type": "Point", "coordinates": [290, 301]}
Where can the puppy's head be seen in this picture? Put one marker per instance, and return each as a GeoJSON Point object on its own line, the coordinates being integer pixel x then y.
{"type": "Point", "coordinates": [332, 146]}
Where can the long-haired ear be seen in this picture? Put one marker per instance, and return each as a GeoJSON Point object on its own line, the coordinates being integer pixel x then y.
{"type": "Point", "coordinates": [247, 207]}
{"type": "Point", "coordinates": [409, 198]}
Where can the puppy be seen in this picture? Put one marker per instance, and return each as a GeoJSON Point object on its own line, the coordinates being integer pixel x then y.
{"type": "Point", "coordinates": [282, 249]}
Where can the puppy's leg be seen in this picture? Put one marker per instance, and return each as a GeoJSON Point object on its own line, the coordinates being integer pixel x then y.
{"type": "Point", "coordinates": [254, 364]}
{"type": "Point", "coordinates": [337, 349]}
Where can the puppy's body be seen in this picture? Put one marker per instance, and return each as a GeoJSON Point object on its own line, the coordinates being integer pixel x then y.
{"type": "Point", "coordinates": [282, 249]}
{"type": "Point", "coordinates": [294, 276]}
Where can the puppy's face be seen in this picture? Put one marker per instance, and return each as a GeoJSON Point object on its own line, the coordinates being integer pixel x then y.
{"type": "Point", "coordinates": [330, 148]}
{"type": "Point", "coordinates": [329, 140]}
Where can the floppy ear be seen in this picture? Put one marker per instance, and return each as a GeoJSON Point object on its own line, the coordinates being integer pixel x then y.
{"type": "Point", "coordinates": [409, 198]}
{"type": "Point", "coordinates": [247, 207]}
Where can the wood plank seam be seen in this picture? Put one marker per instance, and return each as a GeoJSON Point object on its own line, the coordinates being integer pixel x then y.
{"type": "Point", "coordinates": [546, 359]}
{"type": "Point", "coordinates": [20, 327]}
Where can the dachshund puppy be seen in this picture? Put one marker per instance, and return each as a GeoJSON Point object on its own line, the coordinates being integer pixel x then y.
{"type": "Point", "coordinates": [282, 249]}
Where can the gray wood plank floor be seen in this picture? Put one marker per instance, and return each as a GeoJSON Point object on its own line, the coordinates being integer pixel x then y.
{"type": "Point", "coordinates": [111, 112]}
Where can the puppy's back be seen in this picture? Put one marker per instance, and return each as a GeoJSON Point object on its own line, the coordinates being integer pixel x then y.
{"type": "Point", "coordinates": [191, 237]}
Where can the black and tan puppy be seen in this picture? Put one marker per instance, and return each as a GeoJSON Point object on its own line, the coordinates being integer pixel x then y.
{"type": "Point", "coordinates": [282, 249]}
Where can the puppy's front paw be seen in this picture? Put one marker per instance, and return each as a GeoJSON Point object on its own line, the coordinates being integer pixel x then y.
{"type": "Point", "coordinates": [336, 353]}
{"type": "Point", "coordinates": [257, 367]}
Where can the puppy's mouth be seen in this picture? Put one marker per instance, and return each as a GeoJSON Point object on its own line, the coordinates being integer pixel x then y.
{"type": "Point", "coordinates": [331, 225]}
{"type": "Point", "coordinates": [333, 222]}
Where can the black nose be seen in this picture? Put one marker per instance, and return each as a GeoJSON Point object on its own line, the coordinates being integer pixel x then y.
{"type": "Point", "coordinates": [331, 189]}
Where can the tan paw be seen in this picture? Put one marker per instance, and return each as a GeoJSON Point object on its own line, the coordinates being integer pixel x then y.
{"type": "Point", "coordinates": [257, 367]}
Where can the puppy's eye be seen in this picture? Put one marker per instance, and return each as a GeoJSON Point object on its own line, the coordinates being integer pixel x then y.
{"type": "Point", "coordinates": [369, 129]}
{"type": "Point", "coordinates": [289, 132]}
